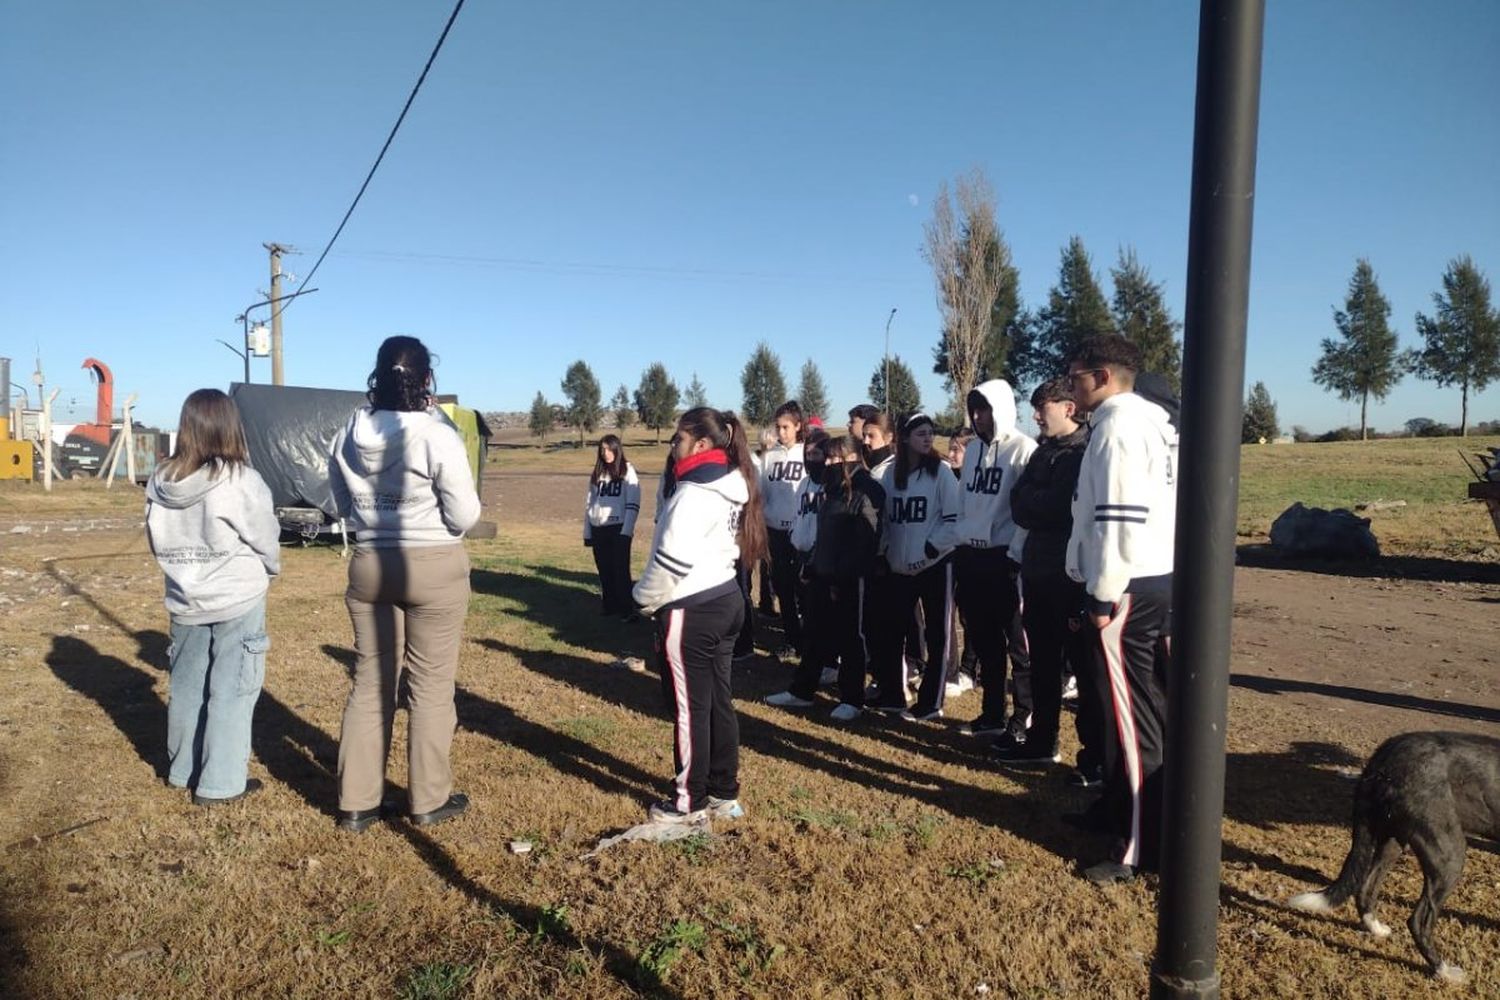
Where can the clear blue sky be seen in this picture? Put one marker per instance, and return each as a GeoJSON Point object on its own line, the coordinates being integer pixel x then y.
{"type": "Point", "coordinates": [674, 181]}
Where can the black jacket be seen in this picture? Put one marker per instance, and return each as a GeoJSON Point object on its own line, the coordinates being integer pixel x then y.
{"type": "Point", "coordinates": [1042, 503]}
{"type": "Point", "coordinates": [849, 526]}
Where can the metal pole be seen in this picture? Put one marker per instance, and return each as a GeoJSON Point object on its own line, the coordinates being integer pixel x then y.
{"type": "Point", "coordinates": [244, 317]}
{"type": "Point", "coordinates": [244, 355]}
{"type": "Point", "coordinates": [888, 319]}
{"type": "Point", "coordinates": [1218, 288]}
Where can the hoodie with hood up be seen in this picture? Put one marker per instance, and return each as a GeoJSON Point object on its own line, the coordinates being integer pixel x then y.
{"type": "Point", "coordinates": [402, 478]}
{"type": "Point", "coordinates": [990, 470]}
{"type": "Point", "coordinates": [215, 535]}
{"type": "Point", "coordinates": [692, 558]}
{"type": "Point", "coordinates": [1125, 506]}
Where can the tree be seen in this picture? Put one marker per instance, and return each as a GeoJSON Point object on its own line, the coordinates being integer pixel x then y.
{"type": "Point", "coordinates": [696, 395]}
{"type": "Point", "coordinates": [1007, 326]}
{"type": "Point", "coordinates": [541, 417]}
{"type": "Point", "coordinates": [905, 398]}
{"type": "Point", "coordinates": [1462, 342]}
{"type": "Point", "coordinates": [763, 385]}
{"type": "Point", "coordinates": [1075, 310]}
{"type": "Point", "coordinates": [970, 261]}
{"type": "Point", "coordinates": [656, 399]}
{"type": "Point", "coordinates": [812, 394]}
{"type": "Point", "coordinates": [624, 411]}
{"type": "Point", "coordinates": [1140, 313]}
{"type": "Point", "coordinates": [1364, 362]}
{"type": "Point", "coordinates": [1260, 416]}
{"type": "Point", "coordinates": [582, 389]}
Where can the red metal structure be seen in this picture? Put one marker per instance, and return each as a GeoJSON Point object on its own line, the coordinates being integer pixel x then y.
{"type": "Point", "coordinates": [104, 411]}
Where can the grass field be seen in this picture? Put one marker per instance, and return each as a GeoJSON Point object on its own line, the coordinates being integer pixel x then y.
{"type": "Point", "coordinates": [876, 860]}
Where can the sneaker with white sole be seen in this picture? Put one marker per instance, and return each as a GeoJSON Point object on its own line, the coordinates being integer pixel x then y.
{"type": "Point", "coordinates": [718, 808]}
{"type": "Point", "coordinates": [829, 677]}
{"type": "Point", "coordinates": [785, 699]}
{"type": "Point", "coordinates": [1035, 751]}
{"type": "Point", "coordinates": [1070, 689]}
{"type": "Point", "coordinates": [845, 712]}
{"type": "Point", "coordinates": [983, 726]}
{"type": "Point", "coordinates": [666, 812]}
{"type": "Point", "coordinates": [921, 715]}
{"type": "Point", "coordinates": [962, 685]}
{"type": "Point", "coordinates": [787, 652]}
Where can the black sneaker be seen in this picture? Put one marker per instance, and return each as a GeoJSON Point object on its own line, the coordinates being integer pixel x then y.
{"type": "Point", "coordinates": [1086, 777]}
{"type": "Point", "coordinates": [1109, 873]}
{"type": "Point", "coordinates": [983, 726]}
{"type": "Point", "coordinates": [1029, 753]}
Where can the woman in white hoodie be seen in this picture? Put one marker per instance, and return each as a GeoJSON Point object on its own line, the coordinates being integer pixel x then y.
{"type": "Point", "coordinates": [213, 531]}
{"type": "Point", "coordinates": [781, 476]}
{"type": "Point", "coordinates": [401, 479]}
{"type": "Point", "coordinates": [614, 503]}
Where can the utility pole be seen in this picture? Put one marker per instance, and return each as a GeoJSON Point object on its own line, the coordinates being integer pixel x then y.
{"type": "Point", "coordinates": [887, 406]}
{"type": "Point", "coordinates": [276, 250]}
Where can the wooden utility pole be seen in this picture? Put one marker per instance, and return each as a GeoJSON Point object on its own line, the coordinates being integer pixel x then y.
{"type": "Point", "coordinates": [276, 250]}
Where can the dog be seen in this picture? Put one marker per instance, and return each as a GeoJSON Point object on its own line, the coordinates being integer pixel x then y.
{"type": "Point", "coordinates": [1428, 792]}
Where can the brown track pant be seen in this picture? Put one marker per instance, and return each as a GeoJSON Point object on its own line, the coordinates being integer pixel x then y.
{"type": "Point", "coordinates": [408, 607]}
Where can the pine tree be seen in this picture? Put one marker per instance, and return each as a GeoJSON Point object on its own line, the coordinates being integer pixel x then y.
{"type": "Point", "coordinates": [763, 385]}
{"type": "Point", "coordinates": [584, 406]}
{"type": "Point", "coordinates": [1260, 417]}
{"type": "Point", "coordinates": [812, 394]}
{"type": "Point", "coordinates": [696, 395]}
{"type": "Point", "coordinates": [1364, 362]}
{"type": "Point", "coordinates": [656, 399]}
{"type": "Point", "coordinates": [541, 417]}
{"type": "Point", "coordinates": [1141, 314]}
{"type": "Point", "coordinates": [1075, 310]}
{"type": "Point", "coordinates": [624, 412]}
{"type": "Point", "coordinates": [905, 398]}
{"type": "Point", "coordinates": [1462, 341]}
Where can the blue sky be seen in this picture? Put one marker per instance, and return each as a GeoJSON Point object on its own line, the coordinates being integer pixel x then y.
{"type": "Point", "coordinates": [675, 181]}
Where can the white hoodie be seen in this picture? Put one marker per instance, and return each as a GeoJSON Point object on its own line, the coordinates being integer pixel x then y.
{"type": "Point", "coordinates": [781, 471]}
{"type": "Point", "coordinates": [990, 471]}
{"type": "Point", "coordinates": [1125, 507]}
{"type": "Point", "coordinates": [921, 521]}
{"type": "Point", "coordinates": [216, 539]}
{"type": "Point", "coordinates": [693, 555]}
{"type": "Point", "coordinates": [613, 502]}
{"type": "Point", "coordinates": [402, 478]}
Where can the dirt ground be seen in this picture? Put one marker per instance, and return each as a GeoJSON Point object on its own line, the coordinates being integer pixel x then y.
{"type": "Point", "coordinates": [884, 828]}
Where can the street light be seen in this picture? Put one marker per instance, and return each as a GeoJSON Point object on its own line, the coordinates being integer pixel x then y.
{"type": "Point", "coordinates": [244, 355]}
{"type": "Point", "coordinates": [244, 318]}
{"type": "Point", "coordinates": [888, 360]}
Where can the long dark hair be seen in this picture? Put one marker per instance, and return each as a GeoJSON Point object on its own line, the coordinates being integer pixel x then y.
{"type": "Point", "coordinates": [908, 461]}
{"type": "Point", "coordinates": [209, 431]}
{"type": "Point", "coordinates": [792, 408]}
{"type": "Point", "coordinates": [722, 429]}
{"type": "Point", "coordinates": [402, 378]}
{"type": "Point", "coordinates": [615, 469]}
{"type": "Point", "coordinates": [838, 451]}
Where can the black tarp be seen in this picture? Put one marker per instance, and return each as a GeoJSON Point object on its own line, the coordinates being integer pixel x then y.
{"type": "Point", "coordinates": [290, 431]}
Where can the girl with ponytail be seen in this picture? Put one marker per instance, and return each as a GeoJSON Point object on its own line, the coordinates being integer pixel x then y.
{"type": "Point", "coordinates": [712, 523]}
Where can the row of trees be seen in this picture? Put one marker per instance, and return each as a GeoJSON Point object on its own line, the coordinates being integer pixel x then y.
{"type": "Point", "coordinates": [1460, 341]}
{"type": "Point", "coordinates": [654, 402]}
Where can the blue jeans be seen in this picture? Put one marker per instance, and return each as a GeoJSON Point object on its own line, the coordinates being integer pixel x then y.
{"type": "Point", "coordinates": [217, 673]}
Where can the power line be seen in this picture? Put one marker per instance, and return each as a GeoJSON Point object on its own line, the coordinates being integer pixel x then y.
{"type": "Point", "coordinates": [388, 139]}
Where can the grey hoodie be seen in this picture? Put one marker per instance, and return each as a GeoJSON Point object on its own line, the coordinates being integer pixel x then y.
{"type": "Point", "coordinates": [402, 478]}
{"type": "Point", "coordinates": [215, 537]}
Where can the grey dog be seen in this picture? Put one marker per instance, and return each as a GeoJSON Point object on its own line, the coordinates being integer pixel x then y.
{"type": "Point", "coordinates": [1429, 792]}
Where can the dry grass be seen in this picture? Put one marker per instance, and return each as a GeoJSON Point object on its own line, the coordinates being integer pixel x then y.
{"type": "Point", "coordinates": [876, 861]}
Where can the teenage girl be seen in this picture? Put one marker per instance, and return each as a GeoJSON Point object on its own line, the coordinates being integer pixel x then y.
{"type": "Point", "coordinates": [848, 535]}
{"type": "Point", "coordinates": [400, 476]}
{"type": "Point", "coordinates": [712, 520]}
{"type": "Point", "coordinates": [766, 603]}
{"type": "Point", "coordinates": [880, 440]}
{"type": "Point", "coordinates": [614, 501]}
{"type": "Point", "coordinates": [211, 527]}
{"type": "Point", "coordinates": [923, 505]}
{"type": "Point", "coordinates": [781, 474]}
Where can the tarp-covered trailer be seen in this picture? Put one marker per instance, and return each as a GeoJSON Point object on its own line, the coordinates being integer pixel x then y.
{"type": "Point", "coordinates": [290, 431]}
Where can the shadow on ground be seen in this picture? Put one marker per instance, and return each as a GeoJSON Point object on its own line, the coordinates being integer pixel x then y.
{"type": "Point", "coordinates": [1263, 556]}
{"type": "Point", "coordinates": [1389, 699]}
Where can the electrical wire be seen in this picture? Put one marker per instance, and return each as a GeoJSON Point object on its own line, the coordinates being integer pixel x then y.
{"type": "Point", "coordinates": [376, 166]}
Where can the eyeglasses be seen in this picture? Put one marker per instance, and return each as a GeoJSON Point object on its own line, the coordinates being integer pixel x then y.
{"type": "Point", "coordinates": [1073, 377]}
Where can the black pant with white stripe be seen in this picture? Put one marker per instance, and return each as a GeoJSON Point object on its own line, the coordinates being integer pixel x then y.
{"type": "Point", "coordinates": [837, 609]}
{"type": "Point", "coordinates": [1061, 642]}
{"type": "Point", "coordinates": [991, 602]}
{"type": "Point", "coordinates": [696, 645]}
{"type": "Point", "coordinates": [1134, 659]}
{"type": "Point", "coordinates": [933, 589]}
{"type": "Point", "coordinates": [612, 560]}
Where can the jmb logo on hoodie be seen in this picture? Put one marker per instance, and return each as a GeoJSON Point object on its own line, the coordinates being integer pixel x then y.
{"type": "Point", "coordinates": [789, 472]}
{"type": "Point", "coordinates": [986, 481]}
{"type": "Point", "coordinates": [908, 510]}
{"type": "Point", "coordinates": [811, 503]}
{"type": "Point", "coordinates": [612, 488]}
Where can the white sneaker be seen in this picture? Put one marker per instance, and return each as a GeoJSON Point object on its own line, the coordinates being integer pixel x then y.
{"type": "Point", "coordinates": [845, 713]}
{"type": "Point", "coordinates": [785, 699]}
{"type": "Point", "coordinates": [1070, 689]}
{"type": "Point", "coordinates": [963, 685]}
{"type": "Point", "coordinates": [829, 677]}
{"type": "Point", "coordinates": [936, 713]}
{"type": "Point", "coordinates": [718, 808]}
{"type": "Point", "coordinates": [666, 812]}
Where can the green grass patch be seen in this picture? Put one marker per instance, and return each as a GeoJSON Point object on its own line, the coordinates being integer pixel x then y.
{"type": "Point", "coordinates": [435, 981]}
{"type": "Point", "coordinates": [655, 961]}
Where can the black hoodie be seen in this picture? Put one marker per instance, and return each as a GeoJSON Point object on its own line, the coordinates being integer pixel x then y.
{"type": "Point", "coordinates": [849, 525]}
{"type": "Point", "coordinates": [1042, 503]}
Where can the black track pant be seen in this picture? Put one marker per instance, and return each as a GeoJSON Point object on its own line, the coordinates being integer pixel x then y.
{"type": "Point", "coordinates": [695, 646]}
{"type": "Point", "coordinates": [1135, 660]}
{"type": "Point", "coordinates": [744, 643]}
{"type": "Point", "coordinates": [838, 608]}
{"type": "Point", "coordinates": [899, 596]}
{"type": "Point", "coordinates": [1060, 645]}
{"type": "Point", "coordinates": [785, 571]}
{"type": "Point", "coordinates": [987, 586]}
{"type": "Point", "coordinates": [612, 559]}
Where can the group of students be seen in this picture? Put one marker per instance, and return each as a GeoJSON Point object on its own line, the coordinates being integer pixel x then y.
{"type": "Point", "coordinates": [869, 537]}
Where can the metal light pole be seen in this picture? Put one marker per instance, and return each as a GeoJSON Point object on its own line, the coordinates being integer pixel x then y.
{"type": "Point", "coordinates": [888, 359]}
{"type": "Point", "coordinates": [1225, 125]}
{"type": "Point", "coordinates": [244, 355]}
{"type": "Point", "coordinates": [244, 318]}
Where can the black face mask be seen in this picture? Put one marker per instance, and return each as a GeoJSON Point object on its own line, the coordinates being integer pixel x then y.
{"type": "Point", "coordinates": [814, 471]}
{"type": "Point", "coordinates": [878, 455]}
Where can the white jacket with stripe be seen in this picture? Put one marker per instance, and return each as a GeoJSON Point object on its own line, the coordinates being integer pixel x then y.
{"type": "Point", "coordinates": [613, 501]}
{"type": "Point", "coordinates": [693, 555]}
{"type": "Point", "coordinates": [1125, 506]}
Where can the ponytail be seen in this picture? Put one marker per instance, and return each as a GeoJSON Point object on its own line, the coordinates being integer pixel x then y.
{"type": "Point", "coordinates": [724, 430]}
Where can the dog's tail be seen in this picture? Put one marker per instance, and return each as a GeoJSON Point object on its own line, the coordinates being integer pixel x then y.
{"type": "Point", "coordinates": [1351, 876]}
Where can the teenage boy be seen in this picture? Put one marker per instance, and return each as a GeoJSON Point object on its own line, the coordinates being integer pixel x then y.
{"type": "Point", "coordinates": [1120, 549]}
{"type": "Point", "coordinates": [986, 576]}
{"type": "Point", "coordinates": [1041, 503]}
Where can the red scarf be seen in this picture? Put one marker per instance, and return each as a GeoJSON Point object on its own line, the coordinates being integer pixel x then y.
{"type": "Point", "coordinates": [713, 456]}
